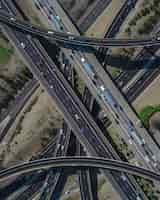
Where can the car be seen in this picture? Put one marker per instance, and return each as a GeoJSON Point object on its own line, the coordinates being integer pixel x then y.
{"type": "Point", "coordinates": [71, 37]}
{"type": "Point", "coordinates": [124, 178]}
{"type": "Point", "coordinates": [50, 32]}
{"type": "Point", "coordinates": [58, 18]}
{"type": "Point", "coordinates": [23, 45]}
{"type": "Point", "coordinates": [84, 149]}
{"type": "Point", "coordinates": [45, 184]}
{"type": "Point", "coordinates": [155, 164]}
{"type": "Point", "coordinates": [71, 56]}
{"type": "Point", "coordinates": [83, 59]}
{"type": "Point", "coordinates": [67, 192]}
{"type": "Point", "coordinates": [77, 116]}
{"type": "Point", "coordinates": [51, 8]}
{"type": "Point", "coordinates": [130, 141]}
{"type": "Point", "coordinates": [146, 158]}
{"type": "Point", "coordinates": [61, 131]}
{"type": "Point", "coordinates": [12, 19]}
{"type": "Point", "coordinates": [102, 88]}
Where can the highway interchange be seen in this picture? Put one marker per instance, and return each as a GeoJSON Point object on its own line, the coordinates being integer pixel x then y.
{"type": "Point", "coordinates": [81, 127]}
{"type": "Point", "coordinates": [76, 115]}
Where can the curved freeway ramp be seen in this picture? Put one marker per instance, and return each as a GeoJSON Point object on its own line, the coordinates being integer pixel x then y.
{"type": "Point", "coordinates": [78, 162]}
{"type": "Point", "coordinates": [71, 39]}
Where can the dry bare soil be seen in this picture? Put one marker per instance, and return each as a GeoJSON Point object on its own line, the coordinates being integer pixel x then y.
{"type": "Point", "coordinates": [76, 8]}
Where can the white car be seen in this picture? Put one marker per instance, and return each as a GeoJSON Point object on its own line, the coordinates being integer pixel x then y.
{"type": "Point", "coordinates": [12, 19]}
{"type": "Point", "coordinates": [83, 59]}
{"type": "Point", "coordinates": [77, 117]}
{"type": "Point", "coordinates": [130, 141]}
{"type": "Point", "coordinates": [50, 32]}
{"type": "Point", "coordinates": [67, 192]}
{"type": "Point", "coordinates": [23, 45]}
{"type": "Point", "coordinates": [102, 88]}
{"type": "Point", "coordinates": [61, 131]}
{"type": "Point", "coordinates": [70, 37]}
{"type": "Point", "coordinates": [123, 177]}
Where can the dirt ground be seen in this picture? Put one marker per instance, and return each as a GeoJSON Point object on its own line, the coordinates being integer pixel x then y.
{"type": "Point", "coordinates": [38, 124]}
{"type": "Point", "coordinates": [32, 13]}
{"type": "Point", "coordinates": [76, 8]}
{"type": "Point", "coordinates": [10, 72]}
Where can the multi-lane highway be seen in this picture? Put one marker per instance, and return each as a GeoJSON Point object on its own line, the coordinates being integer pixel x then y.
{"type": "Point", "coordinates": [106, 93]}
{"type": "Point", "coordinates": [74, 112]}
{"type": "Point", "coordinates": [78, 162]}
{"type": "Point", "coordinates": [68, 38]}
